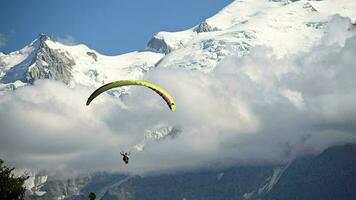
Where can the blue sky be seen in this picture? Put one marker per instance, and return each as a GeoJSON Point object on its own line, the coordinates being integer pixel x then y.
{"type": "Point", "coordinates": [111, 27]}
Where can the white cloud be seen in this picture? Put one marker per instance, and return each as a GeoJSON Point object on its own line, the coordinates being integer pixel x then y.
{"type": "Point", "coordinates": [294, 97]}
{"type": "Point", "coordinates": [254, 109]}
{"type": "Point", "coordinates": [66, 40]}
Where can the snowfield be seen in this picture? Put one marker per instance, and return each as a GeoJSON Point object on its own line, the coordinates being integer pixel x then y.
{"type": "Point", "coordinates": [84, 65]}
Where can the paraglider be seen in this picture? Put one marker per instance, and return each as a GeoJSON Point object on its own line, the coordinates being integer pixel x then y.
{"type": "Point", "coordinates": [125, 157]}
{"type": "Point", "coordinates": [159, 90]}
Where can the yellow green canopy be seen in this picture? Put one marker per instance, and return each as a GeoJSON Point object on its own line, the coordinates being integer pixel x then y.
{"type": "Point", "coordinates": [159, 90]}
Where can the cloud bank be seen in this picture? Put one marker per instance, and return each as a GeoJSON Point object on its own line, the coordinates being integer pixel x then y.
{"type": "Point", "coordinates": [256, 109]}
{"type": "Point", "coordinates": [67, 40]}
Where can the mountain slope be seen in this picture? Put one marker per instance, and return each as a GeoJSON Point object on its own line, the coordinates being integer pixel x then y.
{"type": "Point", "coordinates": [236, 29]}
{"type": "Point", "coordinates": [330, 175]}
{"type": "Point", "coordinates": [225, 184]}
{"type": "Point", "coordinates": [45, 58]}
{"type": "Point", "coordinates": [284, 26]}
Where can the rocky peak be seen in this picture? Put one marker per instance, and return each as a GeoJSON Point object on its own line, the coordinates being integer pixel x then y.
{"type": "Point", "coordinates": [204, 27]}
{"type": "Point", "coordinates": [41, 63]}
{"type": "Point", "coordinates": [40, 41]}
{"type": "Point", "coordinates": [42, 37]}
{"type": "Point", "coordinates": [159, 45]}
{"type": "Point", "coordinates": [51, 64]}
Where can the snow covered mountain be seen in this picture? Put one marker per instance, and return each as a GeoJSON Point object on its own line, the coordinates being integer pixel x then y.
{"type": "Point", "coordinates": [285, 26]}
{"type": "Point", "coordinates": [45, 58]}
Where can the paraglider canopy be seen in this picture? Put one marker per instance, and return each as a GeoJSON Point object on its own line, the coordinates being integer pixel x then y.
{"type": "Point", "coordinates": [159, 90]}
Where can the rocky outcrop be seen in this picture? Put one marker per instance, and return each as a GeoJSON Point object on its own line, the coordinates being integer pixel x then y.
{"type": "Point", "coordinates": [76, 188]}
{"type": "Point", "coordinates": [60, 189]}
{"type": "Point", "coordinates": [42, 63]}
{"type": "Point", "coordinates": [158, 45]}
{"type": "Point", "coordinates": [309, 7]}
{"type": "Point", "coordinates": [93, 55]}
{"type": "Point", "coordinates": [51, 64]}
{"type": "Point", "coordinates": [205, 27]}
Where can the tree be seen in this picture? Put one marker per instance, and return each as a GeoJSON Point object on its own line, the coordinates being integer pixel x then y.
{"type": "Point", "coordinates": [11, 186]}
{"type": "Point", "coordinates": [92, 196]}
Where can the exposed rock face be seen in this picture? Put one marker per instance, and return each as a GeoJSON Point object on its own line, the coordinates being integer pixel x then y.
{"type": "Point", "coordinates": [35, 183]}
{"type": "Point", "coordinates": [51, 64]}
{"type": "Point", "coordinates": [60, 189]}
{"type": "Point", "coordinates": [76, 188]}
{"type": "Point", "coordinates": [159, 46]}
{"type": "Point", "coordinates": [204, 27]}
{"type": "Point", "coordinates": [42, 63]}
{"type": "Point", "coordinates": [308, 6]}
{"type": "Point", "coordinates": [93, 55]}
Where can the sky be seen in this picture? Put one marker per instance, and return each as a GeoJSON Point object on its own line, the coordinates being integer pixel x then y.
{"type": "Point", "coordinates": [111, 27]}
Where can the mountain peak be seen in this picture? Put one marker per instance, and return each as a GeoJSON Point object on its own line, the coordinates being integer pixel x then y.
{"type": "Point", "coordinates": [39, 42]}
{"type": "Point", "coordinates": [39, 61]}
{"type": "Point", "coordinates": [43, 37]}
{"type": "Point", "coordinates": [204, 27]}
{"type": "Point", "coordinates": [46, 58]}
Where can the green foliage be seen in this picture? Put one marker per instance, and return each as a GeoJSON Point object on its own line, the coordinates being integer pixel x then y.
{"type": "Point", "coordinates": [92, 196]}
{"type": "Point", "coordinates": [11, 186]}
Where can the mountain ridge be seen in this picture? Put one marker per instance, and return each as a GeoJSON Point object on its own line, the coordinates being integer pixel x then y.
{"type": "Point", "coordinates": [241, 183]}
{"type": "Point", "coordinates": [45, 58]}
